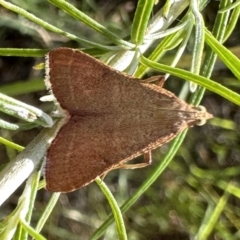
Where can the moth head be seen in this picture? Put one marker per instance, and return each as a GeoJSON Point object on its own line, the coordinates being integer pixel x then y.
{"type": "Point", "coordinates": [202, 115]}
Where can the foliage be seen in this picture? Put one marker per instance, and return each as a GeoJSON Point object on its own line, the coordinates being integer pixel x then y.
{"type": "Point", "coordinates": [191, 189]}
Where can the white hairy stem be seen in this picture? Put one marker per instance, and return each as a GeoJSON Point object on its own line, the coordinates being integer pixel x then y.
{"type": "Point", "coordinates": [17, 171]}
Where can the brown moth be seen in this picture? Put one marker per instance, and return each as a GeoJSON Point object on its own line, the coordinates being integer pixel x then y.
{"type": "Point", "coordinates": [110, 118]}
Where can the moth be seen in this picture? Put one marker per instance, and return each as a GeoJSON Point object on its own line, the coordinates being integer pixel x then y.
{"type": "Point", "coordinates": [109, 119]}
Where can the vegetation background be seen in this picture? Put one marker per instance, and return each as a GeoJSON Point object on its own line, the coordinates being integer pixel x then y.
{"type": "Point", "coordinates": [196, 195]}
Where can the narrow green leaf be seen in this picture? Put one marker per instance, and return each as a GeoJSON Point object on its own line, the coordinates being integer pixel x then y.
{"type": "Point", "coordinates": [202, 81]}
{"type": "Point", "coordinates": [115, 209]}
{"type": "Point", "coordinates": [230, 60]}
{"type": "Point", "coordinates": [140, 21]}
{"type": "Point", "coordinates": [80, 16]}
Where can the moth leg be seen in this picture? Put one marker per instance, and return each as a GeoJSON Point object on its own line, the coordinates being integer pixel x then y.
{"type": "Point", "coordinates": [160, 79]}
{"type": "Point", "coordinates": [147, 158]}
{"type": "Point", "coordinates": [127, 166]}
